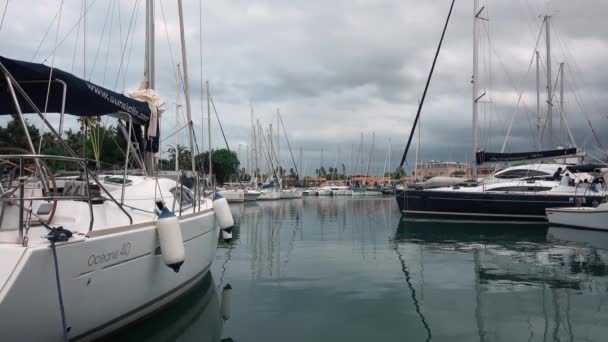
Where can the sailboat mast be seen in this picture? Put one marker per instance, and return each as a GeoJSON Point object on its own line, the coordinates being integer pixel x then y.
{"type": "Point", "coordinates": [389, 161]}
{"type": "Point", "coordinates": [321, 167]}
{"type": "Point", "coordinates": [549, 85]}
{"type": "Point", "coordinates": [178, 105]}
{"type": "Point", "coordinates": [255, 148]}
{"type": "Point", "coordinates": [186, 85]}
{"type": "Point", "coordinates": [538, 99]}
{"type": "Point", "coordinates": [300, 163]}
{"type": "Point", "coordinates": [209, 136]}
{"type": "Point", "coordinates": [149, 73]}
{"type": "Point", "coordinates": [475, 84]}
{"type": "Point", "coordinates": [369, 161]}
{"type": "Point", "coordinates": [561, 102]}
{"type": "Point", "coordinates": [278, 142]}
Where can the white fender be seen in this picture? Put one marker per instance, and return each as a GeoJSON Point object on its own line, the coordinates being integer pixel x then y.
{"type": "Point", "coordinates": [222, 212]}
{"type": "Point", "coordinates": [171, 241]}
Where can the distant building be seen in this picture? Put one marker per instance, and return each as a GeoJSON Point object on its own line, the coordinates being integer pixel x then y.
{"type": "Point", "coordinates": [434, 168]}
{"type": "Point", "coordinates": [441, 168]}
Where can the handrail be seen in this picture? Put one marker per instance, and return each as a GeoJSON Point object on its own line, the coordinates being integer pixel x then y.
{"type": "Point", "coordinates": [88, 176]}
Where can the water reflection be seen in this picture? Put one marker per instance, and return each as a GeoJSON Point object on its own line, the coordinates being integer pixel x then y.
{"type": "Point", "coordinates": [528, 283]}
{"type": "Point", "coordinates": [271, 230]}
{"type": "Point", "coordinates": [194, 316]}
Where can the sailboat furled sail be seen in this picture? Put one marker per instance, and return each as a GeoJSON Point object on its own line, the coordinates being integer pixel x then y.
{"type": "Point", "coordinates": [80, 95]}
{"type": "Point", "coordinates": [483, 157]}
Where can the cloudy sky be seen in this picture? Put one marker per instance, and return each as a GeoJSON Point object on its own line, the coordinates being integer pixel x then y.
{"type": "Point", "coordinates": [339, 69]}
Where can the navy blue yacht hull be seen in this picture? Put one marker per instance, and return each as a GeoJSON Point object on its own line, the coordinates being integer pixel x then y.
{"type": "Point", "coordinates": [484, 206]}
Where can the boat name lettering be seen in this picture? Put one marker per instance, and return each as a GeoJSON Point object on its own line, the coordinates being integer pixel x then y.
{"type": "Point", "coordinates": [123, 251]}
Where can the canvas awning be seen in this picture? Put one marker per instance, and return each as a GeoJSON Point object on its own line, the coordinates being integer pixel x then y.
{"type": "Point", "coordinates": [83, 98]}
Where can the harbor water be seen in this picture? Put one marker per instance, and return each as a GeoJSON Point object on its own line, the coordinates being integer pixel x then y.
{"type": "Point", "coordinates": [351, 269]}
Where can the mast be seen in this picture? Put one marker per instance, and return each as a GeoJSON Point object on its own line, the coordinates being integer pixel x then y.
{"type": "Point", "coordinates": [359, 155]}
{"type": "Point", "coordinates": [209, 137]}
{"type": "Point", "coordinates": [178, 105]}
{"type": "Point", "coordinates": [549, 85]}
{"type": "Point", "coordinates": [369, 161]}
{"type": "Point", "coordinates": [475, 84]}
{"type": "Point", "coordinates": [561, 102]}
{"type": "Point", "coordinates": [254, 150]}
{"type": "Point", "coordinates": [271, 142]}
{"type": "Point", "coordinates": [186, 85]}
{"type": "Point", "coordinates": [389, 161]}
{"type": "Point", "coordinates": [288, 144]}
{"type": "Point", "coordinates": [538, 120]}
{"type": "Point", "coordinates": [426, 87]}
{"type": "Point", "coordinates": [418, 156]}
{"type": "Point", "coordinates": [321, 168]}
{"type": "Point", "coordinates": [149, 74]}
{"type": "Point", "coordinates": [278, 143]}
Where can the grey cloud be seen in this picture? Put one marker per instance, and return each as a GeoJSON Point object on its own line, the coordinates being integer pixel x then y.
{"type": "Point", "coordinates": [337, 69]}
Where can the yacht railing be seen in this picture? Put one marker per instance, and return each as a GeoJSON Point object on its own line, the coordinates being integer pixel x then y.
{"type": "Point", "coordinates": [6, 195]}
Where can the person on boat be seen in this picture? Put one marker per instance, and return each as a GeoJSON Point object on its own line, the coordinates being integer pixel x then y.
{"type": "Point", "coordinates": [558, 174]}
{"type": "Point", "coordinates": [565, 180]}
{"type": "Point", "coordinates": [598, 184]}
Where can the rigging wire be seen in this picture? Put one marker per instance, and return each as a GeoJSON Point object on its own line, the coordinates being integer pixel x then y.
{"type": "Point", "coordinates": [3, 14]}
{"type": "Point", "coordinates": [124, 49]}
{"type": "Point", "coordinates": [103, 30]}
{"type": "Point", "coordinates": [576, 85]}
{"type": "Point", "coordinates": [162, 11]}
{"type": "Point", "coordinates": [77, 39]}
{"type": "Point", "coordinates": [130, 51]}
{"type": "Point", "coordinates": [48, 89]}
{"type": "Point", "coordinates": [105, 68]}
{"type": "Point", "coordinates": [44, 36]}
{"type": "Point", "coordinates": [175, 132]}
{"type": "Point", "coordinates": [428, 81]}
{"type": "Point", "coordinates": [67, 34]}
{"type": "Point", "coordinates": [520, 96]}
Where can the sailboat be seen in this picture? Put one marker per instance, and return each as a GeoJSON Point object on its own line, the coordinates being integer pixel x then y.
{"type": "Point", "coordinates": [524, 192]}
{"type": "Point", "coordinates": [87, 255]}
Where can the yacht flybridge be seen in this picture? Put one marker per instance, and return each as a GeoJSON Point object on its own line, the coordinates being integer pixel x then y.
{"type": "Point", "coordinates": [82, 256]}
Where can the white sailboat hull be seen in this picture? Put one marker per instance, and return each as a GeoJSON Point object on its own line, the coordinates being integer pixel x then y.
{"type": "Point", "coordinates": [233, 196]}
{"type": "Point", "coordinates": [252, 195]}
{"type": "Point", "coordinates": [325, 192]}
{"type": "Point", "coordinates": [109, 278]}
{"type": "Point", "coordinates": [269, 195]}
{"type": "Point", "coordinates": [582, 217]}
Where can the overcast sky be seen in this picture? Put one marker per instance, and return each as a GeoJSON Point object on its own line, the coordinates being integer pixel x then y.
{"type": "Point", "coordinates": [337, 69]}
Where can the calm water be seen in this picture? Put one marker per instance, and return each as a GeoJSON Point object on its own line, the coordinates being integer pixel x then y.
{"type": "Point", "coordinates": [348, 269]}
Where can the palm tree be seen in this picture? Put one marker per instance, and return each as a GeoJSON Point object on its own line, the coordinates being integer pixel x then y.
{"type": "Point", "coordinates": [184, 157]}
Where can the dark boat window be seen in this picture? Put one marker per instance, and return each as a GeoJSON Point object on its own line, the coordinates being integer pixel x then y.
{"type": "Point", "coordinates": [185, 196]}
{"type": "Point", "coordinates": [522, 188]}
{"type": "Point", "coordinates": [520, 174]}
{"type": "Point", "coordinates": [117, 180]}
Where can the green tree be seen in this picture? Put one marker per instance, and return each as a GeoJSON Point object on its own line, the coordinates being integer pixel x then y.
{"type": "Point", "coordinates": [109, 142]}
{"type": "Point", "coordinates": [225, 164]}
{"type": "Point", "coordinates": [399, 173]}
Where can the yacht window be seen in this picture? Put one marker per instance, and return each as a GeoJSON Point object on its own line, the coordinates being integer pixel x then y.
{"type": "Point", "coordinates": [117, 180]}
{"type": "Point", "coordinates": [522, 188]}
{"type": "Point", "coordinates": [183, 196]}
{"type": "Point", "coordinates": [520, 174]}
